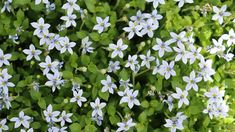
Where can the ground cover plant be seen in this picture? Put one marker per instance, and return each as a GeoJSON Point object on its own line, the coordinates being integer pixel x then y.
{"type": "Point", "coordinates": [117, 65]}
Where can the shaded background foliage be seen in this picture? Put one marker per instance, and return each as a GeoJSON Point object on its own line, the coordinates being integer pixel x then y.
{"type": "Point", "coordinates": [152, 112]}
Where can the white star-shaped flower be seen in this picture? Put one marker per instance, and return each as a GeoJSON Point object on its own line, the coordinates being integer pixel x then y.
{"type": "Point", "coordinates": [192, 81]}
{"type": "Point", "coordinates": [32, 52]}
{"type": "Point", "coordinates": [161, 47]}
{"type": "Point", "coordinates": [3, 125]}
{"type": "Point", "coordinates": [133, 29]}
{"type": "Point", "coordinates": [51, 116]}
{"type": "Point", "coordinates": [69, 20]}
{"type": "Point", "coordinates": [21, 120]}
{"type": "Point", "coordinates": [167, 70]}
{"type": "Point", "coordinates": [4, 58]}
{"type": "Point", "coordinates": [41, 28]}
{"type": "Point", "coordinates": [181, 96]}
{"type": "Point", "coordinates": [101, 24]}
{"type": "Point", "coordinates": [182, 53]}
{"type": "Point", "coordinates": [132, 62]}
{"type": "Point", "coordinates": [97, 107]}
{"type": "Point", "coordinates": [65, 117]}
{"type": "Point", "coordinates": [77, 97]}
{"type": "Point", "coordinates": [130, 98]}
{"type": "Point", "coordinates": [147, 59]}
{"type": "Point", "coordinates": [108, 85]}
{"type": "Point", "coordinates": [125, 126]}
{"type": "Point", "coordinates": [66, 45]}
{"type": "Point", "coordinates": [70, 6]}
{"type": "Point", "coordinates": [220, 13]}
{"type": "Point", "coordinates": [48, 65]}
{"type": "Point", "coordinates": [229, 37]}
{"type": "Point", "coordinates": [118, 49]}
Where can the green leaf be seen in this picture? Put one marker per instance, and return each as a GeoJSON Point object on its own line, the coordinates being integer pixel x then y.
{"type": "Point", "coordinates": [94, 36]}
{"type": "Point", "coordinates": [111, 109]}
{"type": "Point", "coordinates": [114, 119]}
{"type": "Point", "coordinates": [90, 128]}
{"type": "Point", "coordinates": [104, 95]}
{"type": "Point", "coordinates": [21, 84]}
{"type": "Point", "coordinates": [145, 104]}
{"type": "Point", "coordinates": [85, 59]}
{"type": "Point", "coordinates": [90, 4]}
{"type": "Point", "coordinates": [21, 2]}
{"type": "Point", "coordinates": [20, 18]}
{"type": "Point", "coordinates": [92, 68]}
{"type": "Point", "coordinates": [35, 125]}
{"type": "Point", "coordinates": [81, 34]}
{"type": "Point", "coordinates": [140, 4]}
{"type": "Point", "coordinates": [154, 103]}
{"type": "Point", "coordinates": [142, 117]}
{"type": "Point", "coordinates": [42, 103]}
{"type": "Point", "coordinates": [206, 121]}
{"type": "Point", "coordinates": [73, 60]}
{"type": "Point", "coordinates": [124, 74]}
{"type": "Point", "coordinates": [75, 127]}
{"type": "Point", "coordinates": [35, 94]}
{"type": "Point", "coordinates": [67, 75]}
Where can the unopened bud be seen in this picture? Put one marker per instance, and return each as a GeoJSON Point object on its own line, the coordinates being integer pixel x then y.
{"type": "Point", "coordinates": [103, 71]}
{"type": "Point", "coordinates": [125, 19]}
{"type": "Point", "coordinates": [82, 69]}
{"type": "Point", "coordinates": [149, 42]}
{"type": "Point", "coordinates": [85, 11]}
{"type": "Point", "coordinates": [32, 62]}
{"type": "Point", "coordinates": [66, 101]}
{"type": "Point", "coordinates": [38, 76]}
{"type": "Point", "coordinates": [88, 86]}
{"type": "Point", "coordinates": [127, 5]}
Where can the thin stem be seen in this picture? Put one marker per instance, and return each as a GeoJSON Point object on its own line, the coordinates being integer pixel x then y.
{"type": "Point", "coordinates": [142, 72]}
{"type": "Point", "coordinates": [82, 25]}
{"type": "Point", "coordinates": [117, 4]}
{"type": "Point", "coordinates": [120, 115]}
{"type": "Point", "coordinates": [133, 78]}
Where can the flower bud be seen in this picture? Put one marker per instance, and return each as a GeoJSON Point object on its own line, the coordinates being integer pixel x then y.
{"type": "Point", "coordinates": [103, 71]}
{"type": "Point", "coordinates": [66, 101]}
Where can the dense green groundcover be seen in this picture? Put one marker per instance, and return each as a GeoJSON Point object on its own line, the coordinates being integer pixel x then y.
{"type": "Point", "coordinates": [32, 95]}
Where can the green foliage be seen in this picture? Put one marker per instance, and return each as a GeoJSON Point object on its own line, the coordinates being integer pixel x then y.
{"type": "Point", "coordinates": [89, 69]}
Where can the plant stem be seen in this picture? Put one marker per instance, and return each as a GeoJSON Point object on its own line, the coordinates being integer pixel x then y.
{"type": "Point", "coordinates": [81, 25]}
{"type": "Point", "coordinates": [120, 115]}
{"type": "Point", "coordinates": [142, 72]}
{"type": "Point", "coordinates": [133, 79]}
{"type": "Point", "coordinates": [116, 5]}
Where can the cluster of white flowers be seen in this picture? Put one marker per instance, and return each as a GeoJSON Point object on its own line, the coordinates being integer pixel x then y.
{"type": "Point", "coordinates": [52, 117]}
{"type": "Point", "coordinates": [162, 58]}
{"type": "Point", "coordinates": [216, 105]}
{"type": "Point", "coordinates": [4, 81]}
{"type": "Point", "coordinates": [97, 114]}
{"type": "Point", "coordinates": [52, 40]}
{"type": "Point", "coordinates": [221, 49]}
{"type": "Point", "coordinates": [143, 23]}
{"type": "Point", "coordinates": [69, 19]}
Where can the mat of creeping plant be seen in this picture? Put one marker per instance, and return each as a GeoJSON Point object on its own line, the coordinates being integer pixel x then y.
{"type": "Point", "coordinates": [117, 65]}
